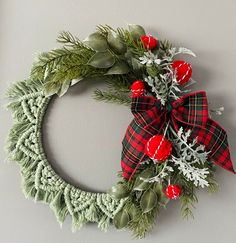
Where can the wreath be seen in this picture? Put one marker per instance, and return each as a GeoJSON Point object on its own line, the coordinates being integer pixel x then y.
{"type": "Point", "coordinates": [170, 148]}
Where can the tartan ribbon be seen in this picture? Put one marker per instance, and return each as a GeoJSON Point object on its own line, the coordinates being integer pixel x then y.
{"type": "Point", "coordinates": [189, 112]}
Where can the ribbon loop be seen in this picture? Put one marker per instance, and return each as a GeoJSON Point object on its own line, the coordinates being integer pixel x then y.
{"type": "Point", "coordinates": [191, 109]}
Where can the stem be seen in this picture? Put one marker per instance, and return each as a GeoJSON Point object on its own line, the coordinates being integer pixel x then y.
{"type": "Point", "coordinates": [167, 125]}
{"type": "Point", "coordinates": [154, 178]}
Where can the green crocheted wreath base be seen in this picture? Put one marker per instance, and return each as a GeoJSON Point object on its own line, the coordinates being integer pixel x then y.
{"type": "Point", "coordinates": [39, 181]}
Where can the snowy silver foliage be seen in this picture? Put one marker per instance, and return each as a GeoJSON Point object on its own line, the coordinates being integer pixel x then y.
{"type": "Point", "coordinates": [159, 87]}
{"type": "Point", "coordinates": [181, 50]}
{"type": "Point", "coordinates": [150, 59]}
{"type": "Point", "coordinates": [217, 111]}
{"type": "Point", "coordinates": [190, 156]}
{"type": "Point", "coordinates": [197, 175]}
{"type": "Point", "coordinates": [190, 151]}
{"type": "Point", "coordinates": [165, 86]}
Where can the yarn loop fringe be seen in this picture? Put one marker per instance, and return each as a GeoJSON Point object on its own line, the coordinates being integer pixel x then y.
{"type": "Point", "coordinates": [39, 181]}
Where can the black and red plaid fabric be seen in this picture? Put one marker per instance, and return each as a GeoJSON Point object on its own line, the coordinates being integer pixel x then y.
{"type": "Point", "coordinates": [189, 112]}
{"type": "Point", "coordinates": [147, 122]}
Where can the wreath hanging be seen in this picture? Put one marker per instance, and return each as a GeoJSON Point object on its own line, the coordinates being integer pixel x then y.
{"type": "Point", "coordinates": [170, 148]}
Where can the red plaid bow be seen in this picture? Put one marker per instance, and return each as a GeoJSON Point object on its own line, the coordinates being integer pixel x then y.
{"type": "Point", "coordinates": [189, 112]}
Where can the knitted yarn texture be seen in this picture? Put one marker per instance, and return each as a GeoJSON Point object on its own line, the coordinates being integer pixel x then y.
{"type": "Point", "coordinates": [39, 180]}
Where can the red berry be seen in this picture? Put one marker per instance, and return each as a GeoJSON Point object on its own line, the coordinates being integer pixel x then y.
{"type": "Point", "coordinates": [148, 41]}
{"type": "Point", "coordinates": [183, 71]}
{"type": "Point", "coordinates": [137, 88]}
{"type": "Point", "coordinates": [173, 191]}
{"type": "Point", "coordinates": [158, 148]}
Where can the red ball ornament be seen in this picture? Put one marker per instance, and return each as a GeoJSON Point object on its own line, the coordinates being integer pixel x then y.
{"type": "Point", "coordinates": [173, 191]}
{"type": "Point", "coordinates": [183, 71]}
{"type": "Point", "coordinates": [148, 41]}
{"type": "Point", "coordinates": [158, 148]}
{"type": "Point", "coordinates": [137, 88]}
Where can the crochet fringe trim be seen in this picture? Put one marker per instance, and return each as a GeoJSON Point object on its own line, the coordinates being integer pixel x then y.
{"type": "Point", "coordinates": [39, 181]}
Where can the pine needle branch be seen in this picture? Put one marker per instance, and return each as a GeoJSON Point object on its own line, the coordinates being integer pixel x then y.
{"type": "Point", "coordinates": [112, 97]}
{"type": "Point", "coordinates": [143, 222]}
{"type": "Point", "coordinates": [213, 185]}
{"type": "Point", "coordinates": [47, 62]}
{"type": "Point", "coordinates": [165, 45]}
{"type": "Point", "coordinates": [118, 84]}
{"type": "Point", "coordinates": [188, 198]}
{"type": "Point", "coordinates": [104, 29]}
{"type": "Point", "coordinates": [187, 205]}
{"type": "Point", "coordinates": [65, 37]}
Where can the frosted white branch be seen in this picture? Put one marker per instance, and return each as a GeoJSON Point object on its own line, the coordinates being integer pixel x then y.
{"type": "Point", "coordinates": [150, 59]}
{"type": "Point", "coordinates": [190, 158]}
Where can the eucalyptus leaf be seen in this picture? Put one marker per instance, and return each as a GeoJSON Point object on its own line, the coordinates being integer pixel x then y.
{"type": "Point", "coordinates": [138, 194]}
{"type": "Point", "coordinates": [96, 42]}
{"type": "Point", "coordinates": [65, 86]}
{"type": "Point", "coordinates": [162, 198]}
{"type": "Point", "coordinates": [75, 81]}
{"type": "Point", "coordinates": [121, 219]}
{"type": "Point", "coordinates": [102, 60]}
{"type": "Point", "coordinates": [136, 64]}
{"type": "Point", "coordinates": [119, 68]}
{"type": "Point", "coordinates": [133, 211]}
{"type": "Point", "coordinates": [159, 188]}
{"type": "Point", "coordinates": [148, 201]}
{"type": "Point", "coordinates": [116, 43]}
{"type": "Point", "coordinates": [147, 173]}
{"type": "Point", "coordinates": [119, 191]}
{"type": "Point", "coordinates": [51, 88]}
{"type": "Point", "coordinates": [136, 31]}
{"type": "Point", "coordinates": [140, 184]}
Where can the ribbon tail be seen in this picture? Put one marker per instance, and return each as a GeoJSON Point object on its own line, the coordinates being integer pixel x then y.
{"type": "Point", "coordinates": [214, 137]}
{"type": "Point", "coordinates": [136, 167]}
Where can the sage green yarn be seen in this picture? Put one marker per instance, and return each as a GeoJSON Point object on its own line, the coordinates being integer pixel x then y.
{"type": "Point", "coordinates": [39, 181]}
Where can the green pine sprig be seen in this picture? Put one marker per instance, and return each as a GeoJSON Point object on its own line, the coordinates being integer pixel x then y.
{"type": "Point", "coordinates": [188, 202]}
{"type": "Point", "coordinates": [60, 60]}
{"type": "Point", "coordinates": [165, 45]}
{"type": "Point", "coordinates": [65, 37]}
{"type": "Point", "coordinates": [118, 84]}
{"type": "Point", "coordinates": [112, 97]}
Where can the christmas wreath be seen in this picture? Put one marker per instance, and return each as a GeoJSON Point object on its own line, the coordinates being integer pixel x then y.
{"type": "Point", "coordinates": [170, 148]}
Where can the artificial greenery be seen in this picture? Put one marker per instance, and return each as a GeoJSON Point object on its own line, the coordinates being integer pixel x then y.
{"type": "Point", "coordinates": [112, 97]}
{"type": "Point", "coordinates": [188, 166]}
{"type": "Point", "coordinates": [108, 53]}
{"type": "Point", "coordinates": [119, 57]}
{"type": "Point", "coordinates": [145, 198]}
